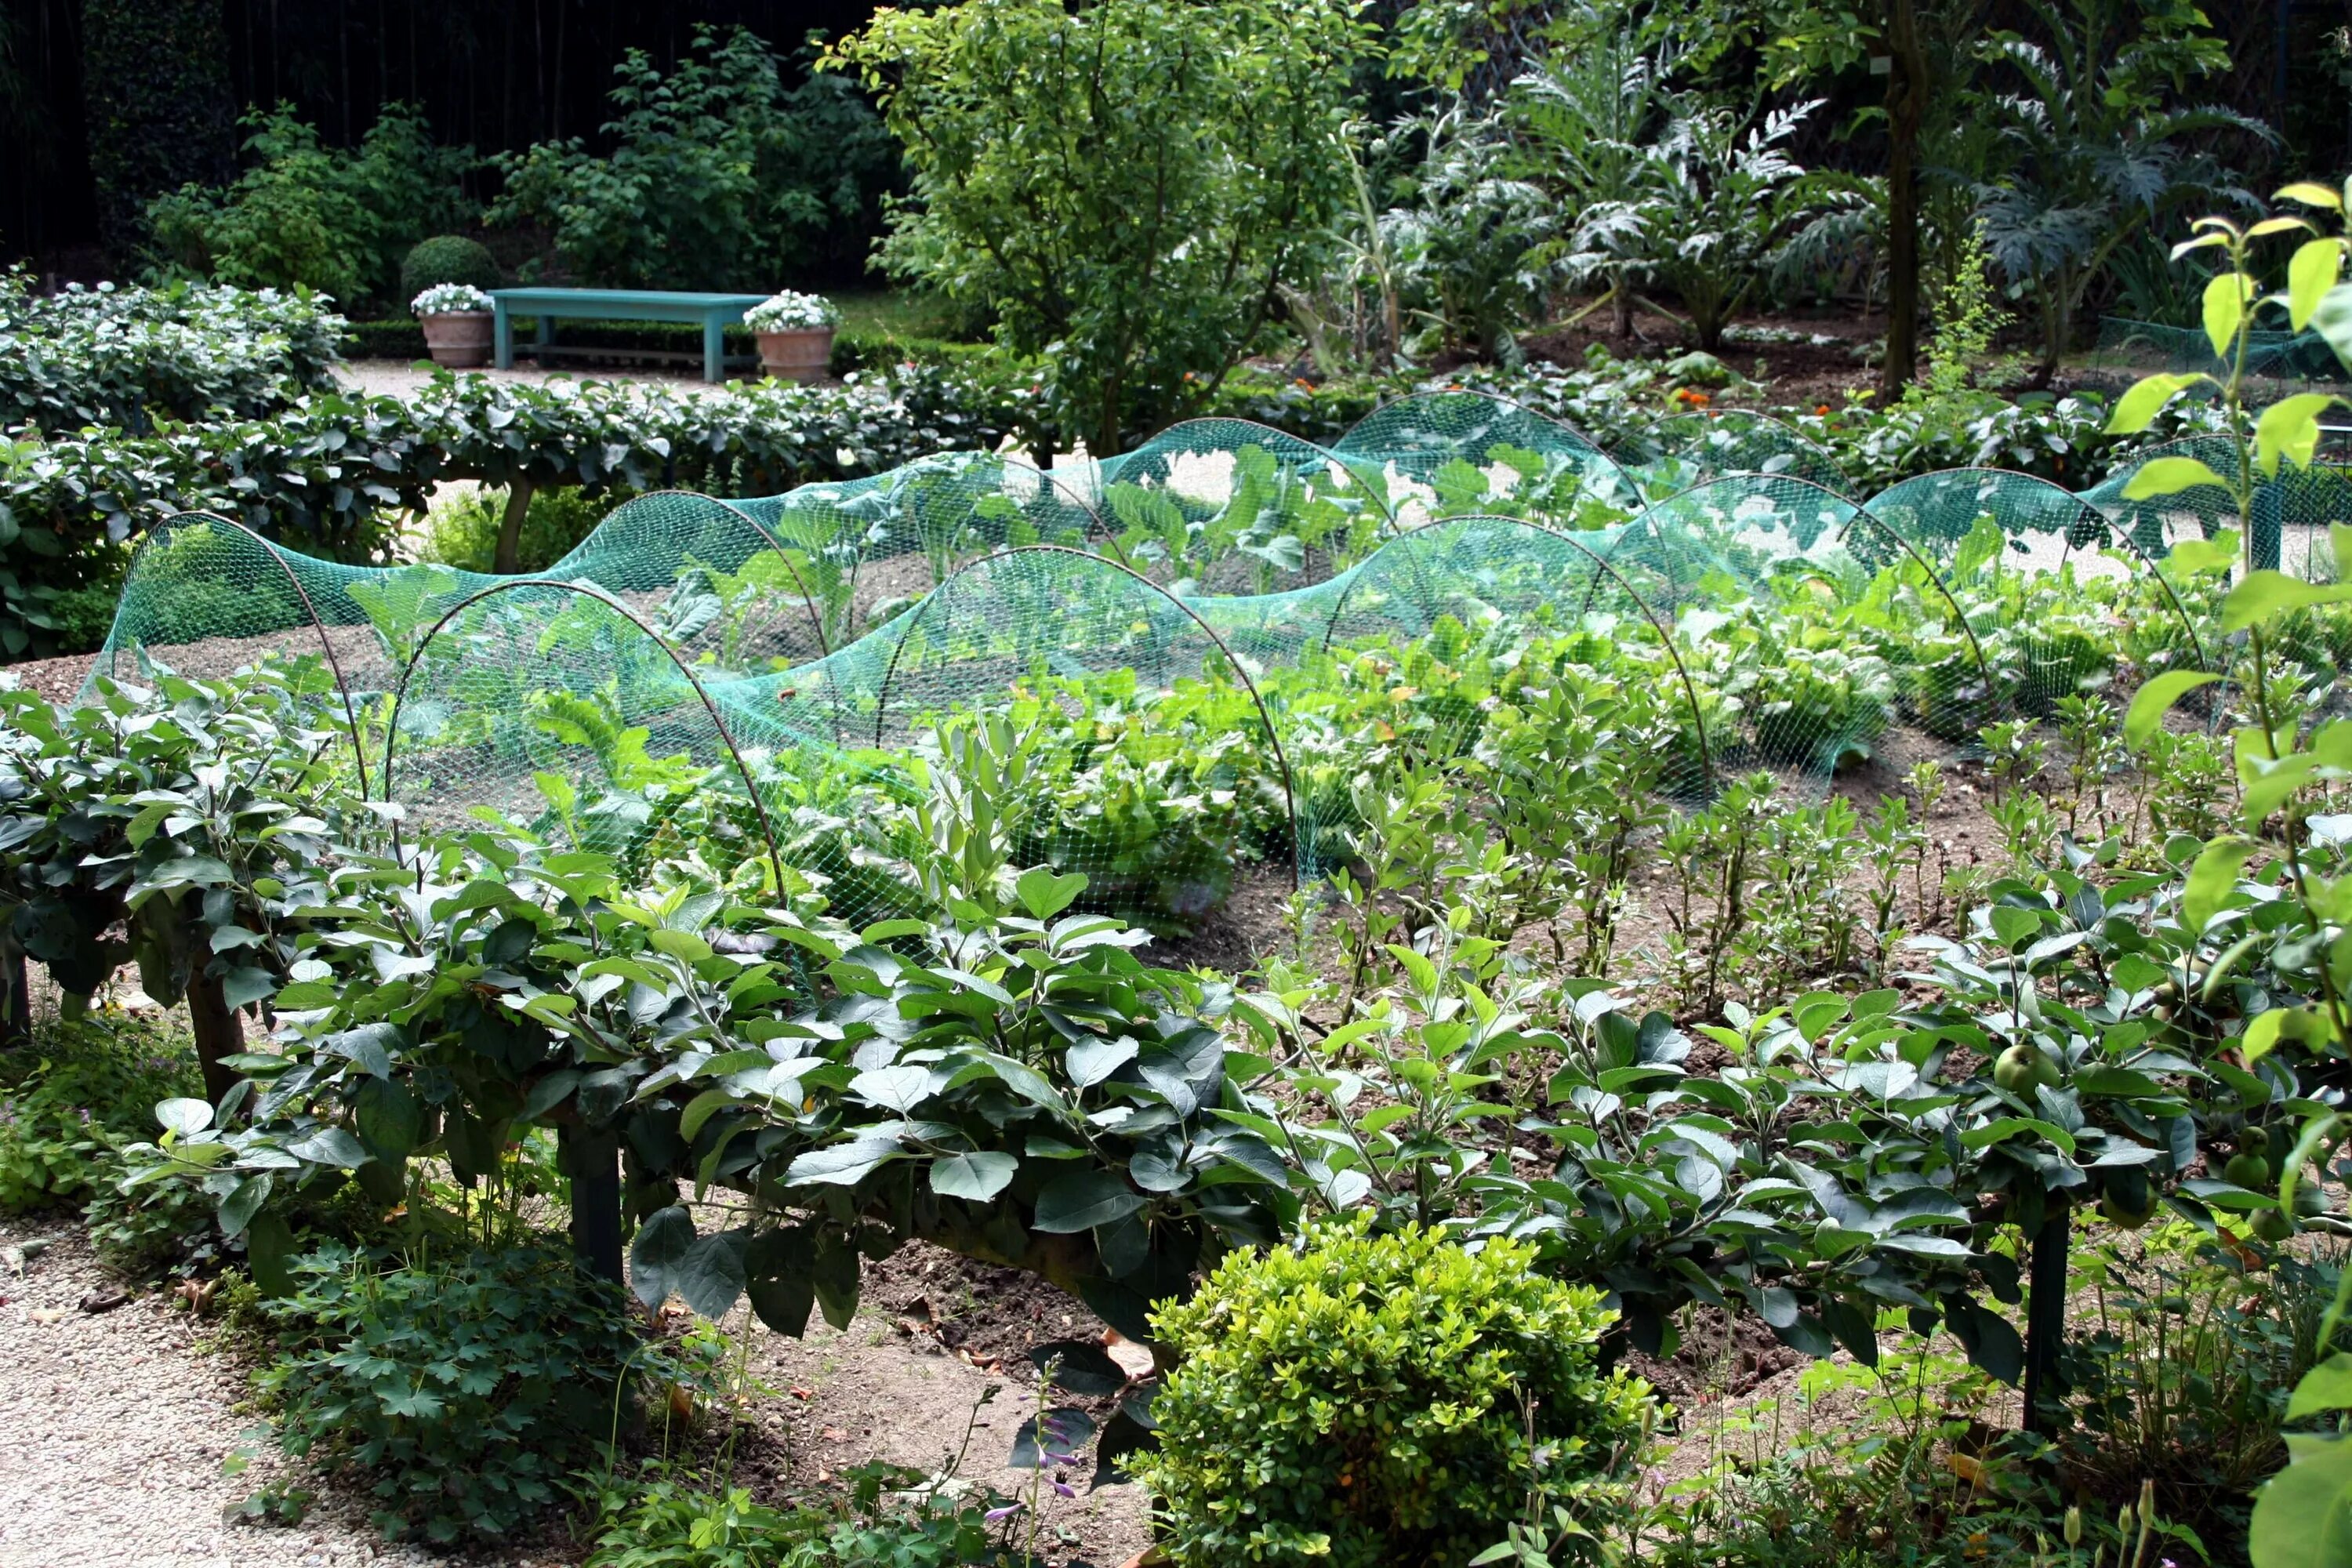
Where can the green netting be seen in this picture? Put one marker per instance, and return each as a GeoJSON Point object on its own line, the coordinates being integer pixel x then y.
{"type": "Point", "coordinates": [1223, 506]}
{"type": "Point", "coordinates": [2278, 362]}
{"type": "Point", "coordinates": [1451, 454]}
{"type": "Point", "coordinates": [1675, 452]}
{"type": "Point", "coordinates": [1209, 654]}
{"type": "Point", "coordinates": [865, 549]}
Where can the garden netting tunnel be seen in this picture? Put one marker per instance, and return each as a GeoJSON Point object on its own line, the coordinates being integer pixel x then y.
{"type": "Point", "coordinates": [1219, 622]}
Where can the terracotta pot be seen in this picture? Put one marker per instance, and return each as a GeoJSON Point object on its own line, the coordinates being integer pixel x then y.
{"type": "Point", "coordinates": [803, 354]}
{"type": "Point", "coordinates": [460, 340]}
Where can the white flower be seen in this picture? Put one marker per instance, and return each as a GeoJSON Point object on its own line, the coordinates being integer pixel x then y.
{"type": "Point", "coordinates": [450, 300]}
{"type": "Point", "coordinates": [791, 312]}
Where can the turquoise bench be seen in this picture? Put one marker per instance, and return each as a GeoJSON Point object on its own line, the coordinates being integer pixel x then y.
{"type": "Point", "coordinates": [715, 312]}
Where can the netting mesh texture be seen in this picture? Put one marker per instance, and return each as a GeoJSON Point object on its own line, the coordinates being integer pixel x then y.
{"type": "Point", "coordinates": [1200, 651]}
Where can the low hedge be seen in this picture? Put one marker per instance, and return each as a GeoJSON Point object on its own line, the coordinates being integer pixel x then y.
{"type": "Point", "coordinates": [131, 357]}
{"type": "Point", "coordinates": [325, 474]}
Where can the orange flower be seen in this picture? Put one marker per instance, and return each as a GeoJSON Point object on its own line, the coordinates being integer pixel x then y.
{"type": "Point", "coordinates": [1691, 397]}
{"type": "Point", "coordinates": [1301, 382]}
{"type": "Point", "coordinates": [1821, 408]}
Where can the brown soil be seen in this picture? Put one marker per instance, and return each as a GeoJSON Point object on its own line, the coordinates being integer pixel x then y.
{"type": "Point", "coordinates": [932, 1374]}
{"type": "Point", "coordinates": [1801, 375]}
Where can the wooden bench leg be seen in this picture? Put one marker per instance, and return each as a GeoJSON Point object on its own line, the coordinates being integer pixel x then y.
{"type": "Point", "coordinates": [714, 349]}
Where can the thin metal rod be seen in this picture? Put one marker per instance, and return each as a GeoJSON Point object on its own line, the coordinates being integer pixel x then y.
{"type": "Point", "coordinates": [342, 687]}
{"type": "Point", "coordinates": [1265, 719]}
{"type": "Point", "coordinates": [588, 591]}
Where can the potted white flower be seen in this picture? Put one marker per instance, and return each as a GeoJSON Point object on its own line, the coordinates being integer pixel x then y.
{"type": "Point", "coordinates": [457, 320]}
{"type": "Point", "coordinates": [796, 334]}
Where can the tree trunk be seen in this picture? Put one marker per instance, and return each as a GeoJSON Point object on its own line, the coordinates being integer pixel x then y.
{"type": "Point", "coordinates": [219, 1032]}
{"type": "Point", "coordinates": [1906, 94]}
{"type": "Point", "coordinates": [509, 559]}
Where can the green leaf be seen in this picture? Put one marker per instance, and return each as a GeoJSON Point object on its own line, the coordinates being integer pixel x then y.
{"type": "Point", "coordinates": [701, 1107]}
{"type": "Point", "coordinates": [898, 1088]}
{"type": "Point", "coordinates": [2328, 1386]}
{"type": "Point", "coordinates": [2264, 595]}
{"type": "Point", "coordinates": [2310, 274]}
{"type": "Point", "coordinates": [386, 1118]}
{"type": "Point", "coordinates": [184, 1118]}
{"type": "Point", "coordinates": [977, 1177]}
{"type": "Point", "coordinates": [1046, 895]}
{"type": "Point", "coordinates": [2005, 1127]}
{"type": "Point", "coordinates": [242, 1205]}
{"type": "Point", "coordinates": [1090, 1062]}
{"type": "Point", "coordinates": [2169, 476]}
{"type": "Point", "coordinates": [1080, 1366]}
{"type": "Point", "coordinates": [2303, 1515]}
{"type": "Point", "coordinates": [2139, 408]}
{"type": "Point", "coordinates": [270, 1254]}
{"type": "Point", "coordinates": [2289, 429]}
{"type": "Point", "coordinates": [1081, 1200]}
{"type": "Point", "coordinates": [2310, 194]}
{"type": "Point", "coordinates": [682, 945]}
{"type": "Point", "coordinates": [330, 1146]}
{"type": "Point", "coordinates": [2155, 699]}
{"type": "Point", "coordinates": [841, 1164]}
{"type": "Point", "coordinates": [2211, 881]}
{"type": "Point", "coordinates": [243, 988]}
{"type": "Point", "coordinates": [661, 1246]}
{"type": "Point", "coordinates": [2227, 295]}
{"type": "Point", "coordinates": [709, 1277]}
{"type": "Point", "coordinates": [2332, 319]}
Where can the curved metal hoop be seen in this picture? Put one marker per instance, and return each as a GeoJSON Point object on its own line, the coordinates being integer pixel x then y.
{"type": "Point", "coordinates": [1265, 719]}
{"type": "Point", "coordinates": [1690, 689]}
{"type": "Point", "coordinates": [326, 645]}
{"type": "Point", "coordinates": [1284, 437]}
{"type": "Point", "coordinates": [1760, 417]}
{"type": "Point", "coordinates": [1498, 401]}
{"type": "Point", "coordinates": [587, 591]}
{"type": "Point", "coordinates": [1626, 530]}
{"type": "Point", "coordinates": [2086, 509]}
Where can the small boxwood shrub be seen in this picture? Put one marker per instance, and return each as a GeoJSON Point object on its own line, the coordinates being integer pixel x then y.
{"type": "Point", "coordinates": [446, 259]}
{"type": "Point", "coordinates": [468, 1391]}
{"type": "Point", "coordinates": [1367, 1399]}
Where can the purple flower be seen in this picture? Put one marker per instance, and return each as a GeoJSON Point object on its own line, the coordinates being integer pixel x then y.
{"type": "Point", "coordinates": [1065, 1488]}
{"type": "Point", "coordinates": [999, 1515]}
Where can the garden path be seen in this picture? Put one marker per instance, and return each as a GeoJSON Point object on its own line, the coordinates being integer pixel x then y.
{"type": "Point", "coordinates": [113, 1425]}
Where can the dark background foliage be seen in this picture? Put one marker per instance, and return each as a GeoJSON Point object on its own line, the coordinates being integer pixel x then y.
{"type": "Point", "coordinates": [496, 74]}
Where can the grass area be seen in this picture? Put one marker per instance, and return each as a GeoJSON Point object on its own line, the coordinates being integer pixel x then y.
{"type": "Point", "coordinates": [901, 313]}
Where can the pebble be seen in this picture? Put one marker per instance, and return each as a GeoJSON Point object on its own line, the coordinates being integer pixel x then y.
{"type": "Point", "coordinates": [113, 1427]}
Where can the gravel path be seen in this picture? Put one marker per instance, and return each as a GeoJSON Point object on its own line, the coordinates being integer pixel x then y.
{"type": "Point", "coordinates": [113, 1427]}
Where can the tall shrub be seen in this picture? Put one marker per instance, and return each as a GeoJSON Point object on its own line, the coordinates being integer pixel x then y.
{"type": "Point", "coordinates": [719, 177]}
{"type": "Point", "coordinates": [337, 221]}
{"type": "Point", "coordinates": [1124, 186]}
{"type": "Point", "coordinates": [156, 86]}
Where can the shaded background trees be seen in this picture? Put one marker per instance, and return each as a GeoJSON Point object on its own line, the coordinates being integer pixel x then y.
{"type": "Point", "coordinates": [497, 75]}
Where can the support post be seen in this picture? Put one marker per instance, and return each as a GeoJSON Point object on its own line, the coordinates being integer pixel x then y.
{"type": "Point", "coordinates": [714, 349]}
{"type": "Point", "coordinates": [501, 334]}
{"type": "Point", "coordinates": [16, 995]}
{"type": "Point", "coordinates": [591, 1156]}
{"type": "Point", "coordinates": [2046, 1316]}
